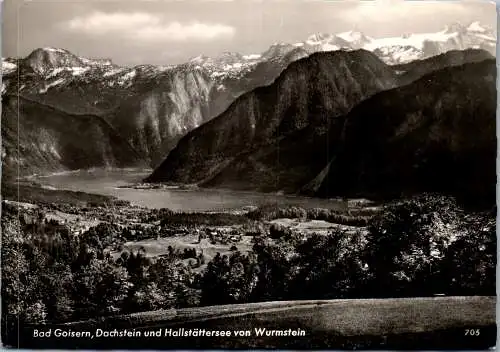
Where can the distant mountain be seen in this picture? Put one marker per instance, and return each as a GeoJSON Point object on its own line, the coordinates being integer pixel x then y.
{"type": "Point", "coordinates": [410, 47]}
{"type": "Point", "coordinates": [45, 60]}
{"type": "Point", "coordinates": [48, 68]}
{"type": "Point", "coordinates": [279, 129]}
{"type": "Point", "coordinates": [436, 134]}
{"type": "Point", "coordinates": [150, 106]}
{"type": "Point", "coordinates": [38, 138]}
{"type": "Point", "coordinates": [397, 50]}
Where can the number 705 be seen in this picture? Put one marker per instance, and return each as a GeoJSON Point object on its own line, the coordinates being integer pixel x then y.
{"type": "Point", "coordinates": [472, 332]}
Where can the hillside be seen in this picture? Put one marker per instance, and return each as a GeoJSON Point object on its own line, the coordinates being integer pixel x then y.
{"type": "Point", "coordinates": [39, 138]}
{"type": "Point", "coordinates": [436, 134]}
{"type": "Point", "coordinates": [254, 141]}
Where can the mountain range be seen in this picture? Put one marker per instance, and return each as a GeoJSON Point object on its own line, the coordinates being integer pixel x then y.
{"type": "Point", "coordinates": [300, 132]}
{"type": "Point", "coordinates": [270, 121]}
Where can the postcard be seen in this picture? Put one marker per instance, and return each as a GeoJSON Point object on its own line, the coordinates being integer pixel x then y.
{"type": "Point", "coordinates": [249, 175]}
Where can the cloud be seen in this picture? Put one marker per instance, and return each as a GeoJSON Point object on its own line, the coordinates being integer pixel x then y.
{"type": "Point", "coordinates": [390, 10]}
{"type": "Point", "coordinates": [146, 27]}
{"type": "Point", "coordinates": [176, 31]}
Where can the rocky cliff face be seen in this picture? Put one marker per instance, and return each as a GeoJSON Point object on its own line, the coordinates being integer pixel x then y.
{"type": "Point", "coordinates": [153, 121]}
{"type": "Point", "coordinates": [278, 129]}
{"type": "Point", "coordinates": [436, 134]}
{"type": "Point", "coordinates": [151, 107]}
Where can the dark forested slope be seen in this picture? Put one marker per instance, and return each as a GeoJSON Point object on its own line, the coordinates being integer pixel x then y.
{"type": "Point", "coordinates": [276, 137]}
{"type": "Point", "coordinates": [436, 134]}
{"type": "Point", "coordinates": [39, 138]}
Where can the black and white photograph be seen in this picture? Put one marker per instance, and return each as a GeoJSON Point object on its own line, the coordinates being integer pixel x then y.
{"type": "Point", "coordinates": [248, 174]}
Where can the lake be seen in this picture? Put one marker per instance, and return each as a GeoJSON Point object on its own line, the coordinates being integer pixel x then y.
{"type": "Point", "coordinates": [108, 182]}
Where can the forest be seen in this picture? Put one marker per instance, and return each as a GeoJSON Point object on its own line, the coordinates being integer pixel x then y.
{"type": "Point", "coordinates": [417, 247]}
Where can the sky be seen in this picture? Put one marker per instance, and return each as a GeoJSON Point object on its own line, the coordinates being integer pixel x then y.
{"type": "Point", "coordinates": [162, 32]}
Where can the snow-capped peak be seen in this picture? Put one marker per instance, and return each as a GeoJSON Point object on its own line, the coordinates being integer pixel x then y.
{"type": "Point", "coordinates": [455, 28]}
{"type": "Point", "coordinates": [329, 42]}
{"type": "Point", "coordinates": [96, 62]}
{"type": "Point", "coordinates": [58, 67]}
{"type": "Point", "coordinates": [354, 36]}
{"type": "Point", "coordinates": [319, 38]}
{"type": "Point", "coordinates": [252, 57]}
{"type": "Point", "coordinates": [279, 44]}
{"type": "Point", "coordinates": [55, 50]}
{"type": "Point", "coordinates": [422, 45]}
{"type": "Point", "coordinates": [476, 27]}
{"type": "Point", "coordinates": [404, 47]}
{"type": "Point", "coordinates": [414, 40]}
{"type": "Point", "coordinates": [8, 67]}
{"type": "Point", "coordinates": [199, 59]}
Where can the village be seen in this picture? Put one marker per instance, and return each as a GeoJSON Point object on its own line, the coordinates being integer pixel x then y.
{"type": "Point", "coordinates": [196, 238]}
{"type": "Point", "coordinates": [137, 224]}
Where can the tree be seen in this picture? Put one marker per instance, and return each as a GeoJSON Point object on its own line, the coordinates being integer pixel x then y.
{"type": "Point", "coordinates": [277, 231]}
{"type": "Point", "coordinates": [100, 288]}
{"type": "Point", "coordinates": [330, 267]}
{"type": "Point", "coordinates": [149, 297]}
{"type": "Point", "coordinates": [407, 242]}
{"type": "Point", "coordinates": [35, 313]}
{"type": "Point", "coordinates": [20, 281]}
{"type": "Point", "coordinates": [274, 267]}
{"type": "Point", "coordinates": [228, 279]}
{"type": "Point", "coordinates": [174, 279]}
{"type": "Point", "coordinates": [56, 292]}
{"type": "Point", "coordinates": [469, 266]}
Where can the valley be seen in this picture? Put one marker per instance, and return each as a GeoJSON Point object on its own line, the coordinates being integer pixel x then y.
{"type": "Point", "coordinates": [206, 221]}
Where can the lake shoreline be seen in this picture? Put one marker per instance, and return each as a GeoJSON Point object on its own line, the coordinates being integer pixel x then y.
{"type": "Point", "coordinates": [126, 185]}
{"type": "Point", "coordinates": [76, 171]}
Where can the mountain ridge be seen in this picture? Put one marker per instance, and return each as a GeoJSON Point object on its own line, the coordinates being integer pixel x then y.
{"type": "Point", "coordinates": [435, 134]}
{"type": "Point", "coordinates": [253, 122]}
{"type": "Point", "coordinates": [37, 138]}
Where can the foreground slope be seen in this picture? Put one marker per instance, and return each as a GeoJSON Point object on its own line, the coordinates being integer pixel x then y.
{"type": "Point", "coordinates": [255, 139]}
{"type": "Point", "coordinates": [408, 323]}
{"type": "Point", "coordinates": [436, 134]}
